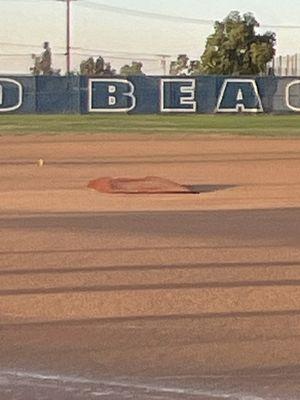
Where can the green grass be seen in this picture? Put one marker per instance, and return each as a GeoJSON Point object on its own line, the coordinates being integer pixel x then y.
{"type": "Point", "coordinates": [258, 125]}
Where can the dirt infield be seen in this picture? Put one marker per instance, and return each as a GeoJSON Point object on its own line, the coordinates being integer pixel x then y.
{"type": "Point", "coordinates": [233, 172]}
{"type": "Point", "coordinates": [178, 296]}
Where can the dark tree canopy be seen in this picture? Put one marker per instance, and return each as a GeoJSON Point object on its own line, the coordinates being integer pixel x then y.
{"type": "Point", "coordinates": [236, 49]}
{"type": "Point", "coordinates": [90, 67]}
{"type": "Point", "coordinates": [183, 66]}
{"type": "Point", "coordinates": [134, 69]}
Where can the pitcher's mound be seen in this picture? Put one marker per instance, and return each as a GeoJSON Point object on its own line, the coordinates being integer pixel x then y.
{"type": "Point", "coordinates": [149, 184]}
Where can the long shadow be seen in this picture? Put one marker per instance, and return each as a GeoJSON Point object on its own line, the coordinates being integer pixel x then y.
{"type": "Point", "coordinates": [150, 318]}
{"type": "Point", "coordinates": [269, 226]}
{"type": "Point", "coordinates": [251, 228]}
{"type": "Point", "coordinates": [136, 249]}
{"type": "Point", "coordinates": [198, 188]}
{"type": "Point", "coordinates": [158, 267]}
{"type": "Point", "coordinates": [279, 157]}
{"type": "Point", "coordinates": [143, 287]}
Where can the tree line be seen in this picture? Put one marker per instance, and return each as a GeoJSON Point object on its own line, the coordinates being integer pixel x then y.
{"type": "Point", "coordinates": [234, 48]}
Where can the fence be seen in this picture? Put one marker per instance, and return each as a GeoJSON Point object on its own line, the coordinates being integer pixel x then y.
{"type": "Point", "coordinates": [149, 94]}
{"type": "Point", "coordinates": [286, 65]}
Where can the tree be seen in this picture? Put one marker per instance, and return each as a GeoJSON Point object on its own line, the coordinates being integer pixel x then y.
{"type": "Point", "coordinates": [236, 49]}
{"type": "Point", "coordinates": [90, 67]}
{"type": "Point", "coordinates": [180, 67]}
{"type": "Point", "coordinates": [134, 69]}
{"type": "Point", "coordinates": [43, 63]}
{"type": "Point", "coordinates": [183, 66]}
{"type": "Point", "coordinates": [87, 67]}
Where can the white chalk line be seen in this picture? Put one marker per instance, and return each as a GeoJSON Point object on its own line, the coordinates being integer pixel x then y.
{"type": "Point", "coordinates": [228, 376]}
{"type": "Point", "coordinates": [127, 385]}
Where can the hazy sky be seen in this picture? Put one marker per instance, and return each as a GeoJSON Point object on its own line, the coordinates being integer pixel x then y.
{"type": "Point", "coordinates": [34, 21]}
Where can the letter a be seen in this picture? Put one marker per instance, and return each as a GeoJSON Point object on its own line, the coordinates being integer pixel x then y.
{"type": "Point", "coordinates": [239, 95]}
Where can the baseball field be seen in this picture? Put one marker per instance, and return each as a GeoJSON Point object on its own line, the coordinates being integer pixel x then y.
{"type": "Point", "coordinates": [161, 296]}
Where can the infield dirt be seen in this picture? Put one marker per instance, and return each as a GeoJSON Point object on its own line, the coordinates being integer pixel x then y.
{"type": "Point", "coordinates": [232, 172]}
{"type": "Point", "coordinates": [150, 296]}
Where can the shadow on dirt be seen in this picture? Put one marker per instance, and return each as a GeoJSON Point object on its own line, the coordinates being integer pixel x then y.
{"type": "Point", "coordinates": [208, 188]}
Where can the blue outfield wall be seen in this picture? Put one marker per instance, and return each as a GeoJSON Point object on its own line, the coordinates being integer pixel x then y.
{"type": "Point", "coordinates": [17, 94]}
{"type": "Point", "coordinates": [149, 94]}
{"type": "Point", "coordinates": [59, 95]}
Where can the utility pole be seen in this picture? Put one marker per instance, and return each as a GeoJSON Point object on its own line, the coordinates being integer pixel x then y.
{"type": "Point", "coordinates": [68, 53]}
{"type": "Point", "coordinates": [68, 35]}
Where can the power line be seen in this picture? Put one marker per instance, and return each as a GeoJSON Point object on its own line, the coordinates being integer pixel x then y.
{"type": "Point", "coordinates": [112, 57]}
{"type": "Point", "coordinates": [24, 1]}
{"type": "Point", "coordinates": [128, 53]}
{"type": "Point", "coordinates": [13, 44]}
{"type": "Point", "coordinates": [14, 55]}
{"type": "Point", "coordinates": [290, 27]}
{"type": "Point", "coordinates": [25, 45]}
{"type": "Point", "coordinates": [164, 17]}
{"type": "Point", "coordinates": [24, 55]}
{"type": "Point", "coordinates": [84, 49]}
{"type": "Point", "coordinates": [140, 13]}
{"type": "Point", "coordinates": [151, 15]}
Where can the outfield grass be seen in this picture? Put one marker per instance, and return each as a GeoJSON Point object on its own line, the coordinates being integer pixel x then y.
{"type": "Point", "coordinates": [258, 125]}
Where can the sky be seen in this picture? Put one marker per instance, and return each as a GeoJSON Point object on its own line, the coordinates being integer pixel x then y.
{"type": "Point", "coordinates": [111, 34]}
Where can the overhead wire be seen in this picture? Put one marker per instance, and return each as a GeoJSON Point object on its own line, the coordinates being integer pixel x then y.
{"type": "Point", "coordinates": [165, 17]}
{"type": "Point", "coordinates": [147, 14]}
{"type": "Point", "coordinates": [121, 54]}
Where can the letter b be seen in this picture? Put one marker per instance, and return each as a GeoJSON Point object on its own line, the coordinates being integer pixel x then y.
{"type": "Point", "coordinates": [111, 95]}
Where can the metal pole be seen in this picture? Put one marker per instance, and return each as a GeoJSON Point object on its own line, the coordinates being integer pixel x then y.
{"type": "Point", "coordinates": [68, 53]}
{"type": "Point", "coordinates": [164, 65]}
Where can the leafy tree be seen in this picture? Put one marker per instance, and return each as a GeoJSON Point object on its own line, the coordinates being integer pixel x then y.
{"type": "Point", "coordinates": [180, 67]}
{"type": "Point", "coordinates": [90, 67]}
{"type": "Point", "coordinates": [87, 67]}
{"type": "Point", "coordinates": [236, 49]}
{"type": "Point", "coordinates": [183, 66]}
{"type": "Point", "coordinates": [99, 66]}
{"type": "Point", "coordinates": [43, 63]}
{"type": "Point", "coordinates": [195, 67]}
{"type": "Point", "coordinates": [134, 69]}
